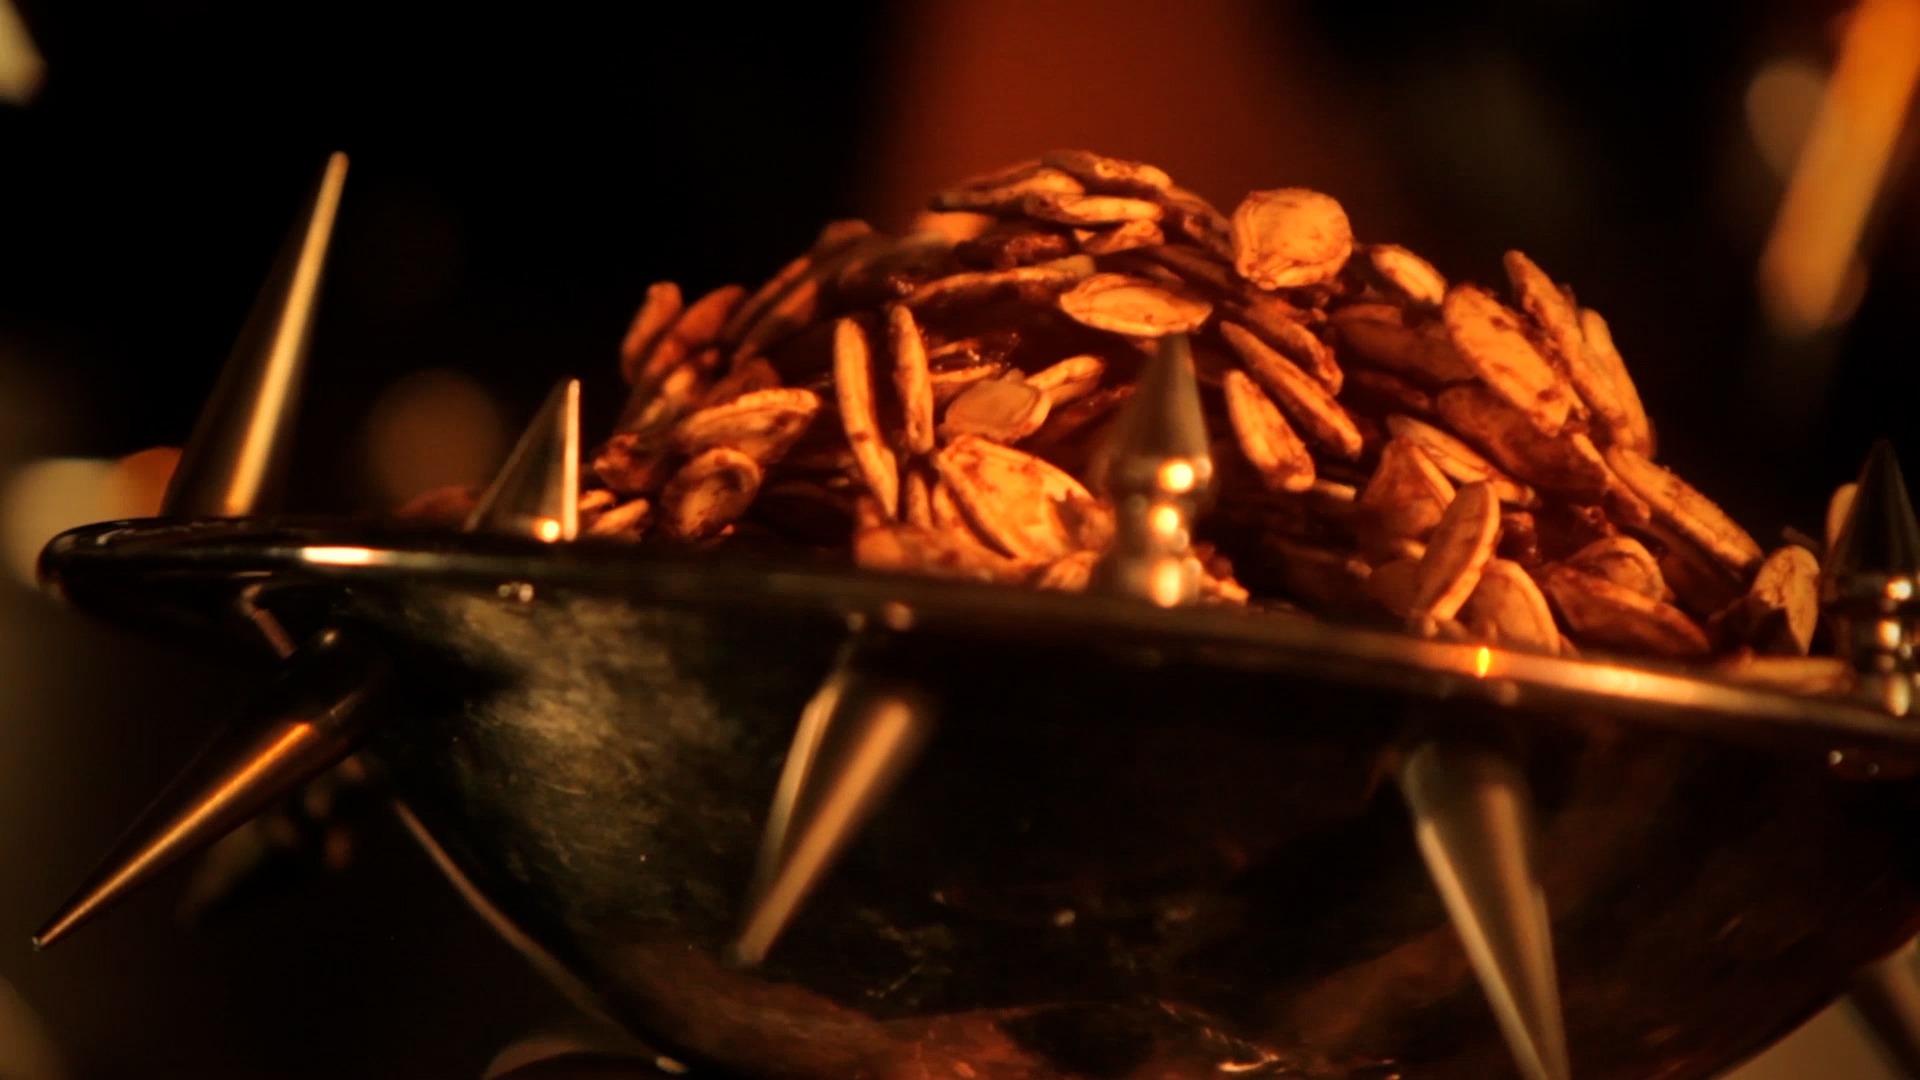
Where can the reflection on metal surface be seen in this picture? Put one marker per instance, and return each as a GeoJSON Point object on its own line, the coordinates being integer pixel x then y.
{"type": "Point", "coordinates": [88, 564]}
{"type": "Point", "coordinates": [1157, 473]}
{"type": "Point", "coordinates": [1842, 168]}
{"type": "Point", "coordinates": [305, 724]}
{"type": "Point", "coordinates": [1472, 820]}
{"type": "Point", "coordinates": [265, 622]}
{"type": "Point", "coordinates": [232, 468]}
{"type": "Point", "coordinates": [1868, 592]}
{"type": "Point", "coordinates": [1869, 584]}
{"type": "Point", "coordinates": [794, 773]}
{"type": "Point", "coordinates": [238, 454]}
{"type": "Point", "coordinates": [313, 831]}
{"type": "Point", "coordinates": [339, 555]}
{"type": "Point", "coordinates": [537, 492]}
{"type": "Point", "coordinates": [577, 992]}
{"type": "Point", "coordinates": [873, 727]}
{"type": "Point", "coordinates": [590, 759]}
{"type": "Point", "coordinates": [1886, 996]}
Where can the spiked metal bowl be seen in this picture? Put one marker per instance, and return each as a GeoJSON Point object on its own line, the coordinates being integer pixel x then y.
{"type": "Point", "coordinates": [1136, 842]}
{"type": "Point", "coordinates": [793, 820]}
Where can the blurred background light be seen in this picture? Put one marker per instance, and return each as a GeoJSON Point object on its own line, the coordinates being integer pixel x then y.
{"type": "Point", "coordinates": [139, 481]}
{"type": "Point", "coordinates": [431, 429]}
{"type": "Point", "coordinates": [1781, 103]}
{"type": "Point", "coordinates": [21, 66]}
{"type": "Point", "coordinates": [1814, 247]}
{"type": "Point", "coordinates": [42, 499]}
{"type": "Point", "coordinates": [25, 1051]}
{"type": "Point", "coordinates": [45, 498]}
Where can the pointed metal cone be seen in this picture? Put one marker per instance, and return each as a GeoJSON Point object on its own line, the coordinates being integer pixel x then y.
{"type": "Point", "coordinates": [1880, 535]}
{"type": "Point", "coordinates": [1886, 997]}
{"type": "Point", "coordinates": [802, 754]}
{"type": "Point", "coordinates": [308, 720]}
{"type": "Point", "coordinates": [856, 747]}
{"type": "Point", "coordinates": [1472, 822]}
{"type": "Point", "coordinates": [236, 460]}
{"type": "Point", "coordinates": [1162, 422]}
{"type": "Point", "coordinates": [1157, 468]}
{"type": "Point", "coordinates": [537, 492]}
{"type": "Point", "coordinates": [310, 831]}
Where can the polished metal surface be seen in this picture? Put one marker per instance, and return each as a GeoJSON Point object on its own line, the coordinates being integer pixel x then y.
{"type": "Point", "coordinates": [859, 734]}
{"type": "Point", "coordinates": [1142, 842]}
{"type": "Point", "coordinates": [1870, 587]}
{"type": "Point", "coordinates": [1886, 996]}
{"type": "Point", "coordinates": [1473, 821]}
{"type": "Point", "coordinates": [537, 492]}
{"type": "Point", "coordinates": [308, 721]}
{"type": "Point", "coordinates": [1158, 473]}
{"type": "Point", "coordinates": [237, 457]}
{"type": "Point", "coordinates": [1870, 595]}
{"type": "Point", "coordinates": [233, 468]}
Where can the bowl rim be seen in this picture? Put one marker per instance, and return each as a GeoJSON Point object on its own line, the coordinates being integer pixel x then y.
{"type": "Point", "coordinates": [224, 556]}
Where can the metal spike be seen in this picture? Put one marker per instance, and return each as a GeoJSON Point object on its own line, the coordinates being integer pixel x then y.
{"type": "Point", "coordinates": [537, 492]}
{"type": "Point", "coordinates": [236, 460]}
{"type": "Point", "coordinates": [1886, 997]}
{"type": "Point", "coordinates": [1880, 535]}
{"type": "Point", "coordinates": [1163, 419]}
{"type": "Point", "coordinates": [1871, 584]}
{"type": "Point", "coordinates": [1158, 471]}
{"type": "Point", "coordinates": [802, 753]}
{"type": "Point", "coordinates": [307, 721]}
{"type": "Point", "coordinates": [1472, 820]}
{"type": "Point", "coordinates": [312, 829]}
{"type": "Point", "coordinates": [856, 738]}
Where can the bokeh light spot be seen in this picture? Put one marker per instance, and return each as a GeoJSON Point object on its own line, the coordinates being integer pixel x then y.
{"type": "Point", "coordinates": [432, 429]}
{"type": "Point", "coordinates": [1781, 102]}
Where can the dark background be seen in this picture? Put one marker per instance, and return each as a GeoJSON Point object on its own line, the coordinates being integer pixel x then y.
{"type": "Point", "coordinates": [521, 174]}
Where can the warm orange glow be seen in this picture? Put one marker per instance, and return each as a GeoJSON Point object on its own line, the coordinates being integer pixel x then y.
{"type": "Point", "coordinates": [22, 69]}
{"type": "Point", "coordinates": [1781, 103]}
{"type": "Point", "coordinates": [338, 556]}
{"type": "Point", "coordinates": [547, 529]}
{"type": "Point", "coordinates": [1177, 477]}
{"type": "Point", "coordinates": [896, 616]}
{"type": "Point", "coordinates": [1164, 520]}
{"type": "Point", "coordinates": [974, 85]}
{"type": "Point", "coordinates": [432, 429]}
{"type": "Point", "coordinates": [1811, 263]}
{"type": "Point", "coordinates": [140, 479]}
{"type": "Point", "coordinates": [956, 226]}
{"type": "Point", "coordinates": [1167, 584]}
{"type": "Point", "coordinates": [42, 499]}
{"type": "Point", "coordinates": [1482, 661]}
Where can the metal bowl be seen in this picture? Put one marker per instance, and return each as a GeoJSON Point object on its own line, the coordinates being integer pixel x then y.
{"type": "Point", "coordinates": [1140, 842]}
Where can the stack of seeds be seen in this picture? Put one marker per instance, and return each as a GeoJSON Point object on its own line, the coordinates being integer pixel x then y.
{"type": "Point", "coordinates": [1387, 444]}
